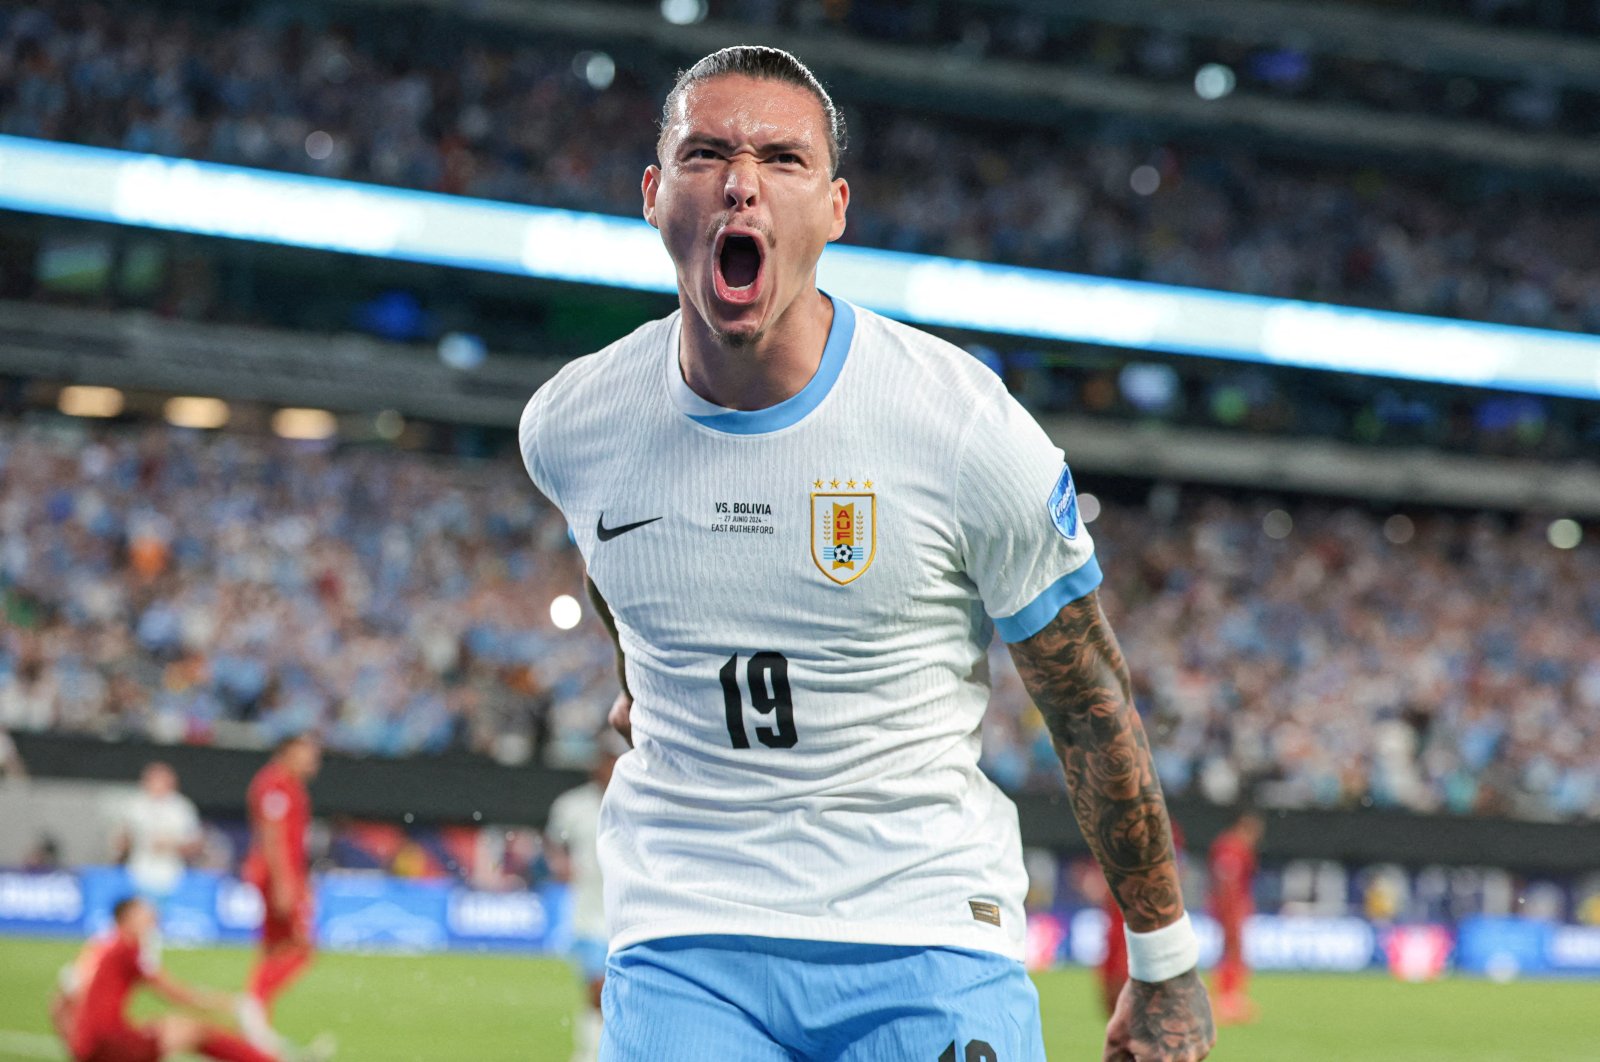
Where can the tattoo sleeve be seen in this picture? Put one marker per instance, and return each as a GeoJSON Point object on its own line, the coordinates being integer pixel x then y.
{"type": "Point", "coordinates": [604, 610]}
{"type": "Point", "coordinates": [1077, 676]}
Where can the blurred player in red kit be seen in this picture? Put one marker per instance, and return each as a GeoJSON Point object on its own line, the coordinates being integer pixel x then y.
{"type": "Point", "coordinates": [1233, 871]}
{"type": "Point", "coordinates": [91, 1011]}
{"type": "Point", "coordinates": [280, 814]}
{"type": "Point", "coordinates": [1113, 969]}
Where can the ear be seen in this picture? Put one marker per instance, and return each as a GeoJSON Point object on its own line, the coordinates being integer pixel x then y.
{"type": "Point", "coordinates": [651, 185]}
{"type": "Point", "coordinates": [840, 195]}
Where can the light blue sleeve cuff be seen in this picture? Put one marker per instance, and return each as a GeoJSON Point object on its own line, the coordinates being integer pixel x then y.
{"type": "Point", "coordinates": [1038, 613]}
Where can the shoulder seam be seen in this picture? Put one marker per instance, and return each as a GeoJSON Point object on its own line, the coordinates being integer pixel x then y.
{"type": "Point", "coordinates": [978, 410]}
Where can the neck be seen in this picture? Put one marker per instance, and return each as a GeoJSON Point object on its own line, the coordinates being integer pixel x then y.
{"type": "Point", "coordinates": [774, 368]}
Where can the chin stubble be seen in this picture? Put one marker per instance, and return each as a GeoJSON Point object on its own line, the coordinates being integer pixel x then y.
{"type": "Point", "coordinates": [737, 340]}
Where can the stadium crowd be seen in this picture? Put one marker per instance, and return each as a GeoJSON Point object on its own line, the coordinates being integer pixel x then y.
{"type": "Point", "coordinates": [458, 108]}
{"type": "Point", "coordinates": [1261, 65]}
{"type": "Point", "coordinates": [234, 589]}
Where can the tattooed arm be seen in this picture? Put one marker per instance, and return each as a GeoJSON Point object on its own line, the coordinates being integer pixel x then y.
{"type": "Point", "coordinates": [621, 714]}
{"type": "Point", "coordinates": [1075, 672]}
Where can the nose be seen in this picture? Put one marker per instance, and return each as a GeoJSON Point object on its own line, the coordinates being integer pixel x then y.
{"type": "Point", "coordinates": [742, 184]}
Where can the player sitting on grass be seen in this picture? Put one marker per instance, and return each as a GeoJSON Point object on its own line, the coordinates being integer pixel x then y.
{"type": "Point", "coordinates": [91, 1010]}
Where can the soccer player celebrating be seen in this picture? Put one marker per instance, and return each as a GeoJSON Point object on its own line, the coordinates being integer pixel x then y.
{"type": "Point", "coordinates": [805, 523]}
{"type": "Point", "coordinates": [1233, 872]}
{"type": "Point", "coordinates": [280, 815]}
{"type": "Point", "coordinates": [91, 1012]}
{"type": "Point", "coordinates": [570, 833]}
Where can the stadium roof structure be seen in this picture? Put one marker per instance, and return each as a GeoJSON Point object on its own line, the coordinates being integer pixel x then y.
{"type": "Point", "coordinates": [318, 213]}
{"type": "Point", "coordinates": [1048, 94]}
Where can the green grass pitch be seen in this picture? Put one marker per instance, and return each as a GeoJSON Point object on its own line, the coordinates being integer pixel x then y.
{"type": "Point", "coordinates": [444, 1008]}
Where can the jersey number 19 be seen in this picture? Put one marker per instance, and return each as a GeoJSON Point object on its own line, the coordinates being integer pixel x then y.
{"type": "Point", "coordinates": [767, 678]}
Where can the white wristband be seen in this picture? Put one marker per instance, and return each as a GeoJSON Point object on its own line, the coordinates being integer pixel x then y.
{"type": "Point", "coordinates": [1164, 953]}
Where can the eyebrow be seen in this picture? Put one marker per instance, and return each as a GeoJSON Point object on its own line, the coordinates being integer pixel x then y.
{"type": "Point", "coordinates": [773, 148]}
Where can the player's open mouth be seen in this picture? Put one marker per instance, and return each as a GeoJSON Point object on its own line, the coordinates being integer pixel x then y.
{"type": "Point", "coordinates": [738, 272]}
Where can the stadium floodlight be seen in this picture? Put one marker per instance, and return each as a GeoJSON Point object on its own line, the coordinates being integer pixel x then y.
{"type": "Point", "coordinates": [1565, 533]}
{"type": "Point", "coordinates": [1213, 81]}
{"type": "Point", "coordinates": [597, 69]}
{"type": "Point", "coordinates": [1399, 529]}
{"type": "Point", "coordinates": [1145, 180]}
{"type": "Point", "coordinates": [684, 12]}
{"type": "Point", "coordinates": [319, 145]}
{"type": "Point", "coordinates": [1088, 508]}
{"type": "Point", "coordinates": [565, 612]}
{"type": "Point", "coordinates": [82, 401]}
{"type": "Point", "coordinates": [308, 424]}
{"type": "Point", "coordinates": [388, 424]}
{"type": "Point", "coordinates": [179, 195]}
{"type": "Point", "coordinates": [189, 411]}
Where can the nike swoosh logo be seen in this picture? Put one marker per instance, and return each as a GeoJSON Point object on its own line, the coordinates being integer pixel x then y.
{"type": "Point", "coordinates": [608, 533]}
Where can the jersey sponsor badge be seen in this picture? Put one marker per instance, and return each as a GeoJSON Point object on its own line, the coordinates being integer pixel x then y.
{"type": "Point", "coordinates": [844, 528]}
{"type": "Point", "coordinates": [984, 911]}
{"type": "Point", "coordinates": [1064, 505]}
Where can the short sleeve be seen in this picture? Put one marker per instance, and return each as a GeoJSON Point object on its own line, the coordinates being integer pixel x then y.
{"type": "Point", "coordinates": [528, 433]}
{"type": "Point", "coordinates": [1016, 508]}
{"type": "Point", "coordinates": [190, 826]}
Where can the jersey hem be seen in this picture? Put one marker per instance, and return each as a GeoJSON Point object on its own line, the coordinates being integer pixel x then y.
{"type": "Point", "coordinates": [892, 934]}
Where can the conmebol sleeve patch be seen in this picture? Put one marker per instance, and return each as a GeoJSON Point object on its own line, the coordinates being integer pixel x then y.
{"type": "Point", "coordinates": [1064, 505]}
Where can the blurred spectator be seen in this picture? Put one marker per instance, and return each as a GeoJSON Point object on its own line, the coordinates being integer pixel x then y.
{"type": "Point", "coordinates": [398, 602]}
{"type": "Point", "coordinates": [1306, 654]}
{"type": "Point", "coordinates": [44, 857]}
{"type": "Point", "coordinates": [1311, 654]}
{"type": "Point", "coordinates": [157, 833]}
{"type": "Point", "coordinates": [11, 765]}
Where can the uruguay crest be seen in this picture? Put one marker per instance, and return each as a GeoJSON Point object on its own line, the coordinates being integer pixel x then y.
{"type": "Point", "coordinates": [844, 531]}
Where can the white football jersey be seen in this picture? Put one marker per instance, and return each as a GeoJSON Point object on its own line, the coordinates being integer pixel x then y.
{"type": "Point", "coordinates": [157, 830]}
{"type": "Point", "coordinates": [804, 595]}
{"type": "Point", "coordinates": [575, 824]}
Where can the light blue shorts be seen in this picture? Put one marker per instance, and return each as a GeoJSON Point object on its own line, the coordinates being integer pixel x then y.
{"type": "Point", "coordinates": [588, 957]}
{"type": "Point", "coordinates": [753, 999]}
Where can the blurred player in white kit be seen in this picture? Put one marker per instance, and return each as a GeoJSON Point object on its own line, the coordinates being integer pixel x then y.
{"type": "Point", "coordinates": [157, 832]}
{"type": "Point", "coordinates": [570, 835]}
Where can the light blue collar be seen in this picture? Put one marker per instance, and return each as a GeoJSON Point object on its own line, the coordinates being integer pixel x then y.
{"type": "Point", "coordinates": [791, 410]}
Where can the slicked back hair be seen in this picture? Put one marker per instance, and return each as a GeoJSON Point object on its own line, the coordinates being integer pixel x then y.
{"type": "Point", "coordinates": [765, 64]}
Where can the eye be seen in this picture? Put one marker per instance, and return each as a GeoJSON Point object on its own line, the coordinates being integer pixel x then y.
{"type": "Point", "coordinates": [787, 158]}
{"type": "Point", "coordinates": [701, 153]}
